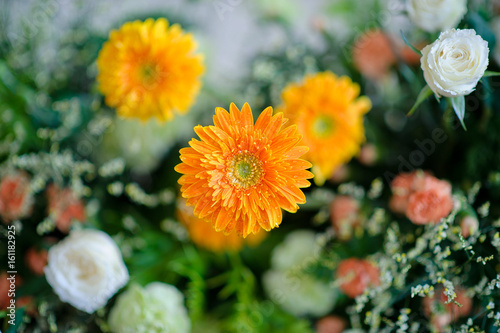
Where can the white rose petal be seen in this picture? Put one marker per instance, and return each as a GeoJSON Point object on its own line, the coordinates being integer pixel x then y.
{"type": "Point", "coordinates": [436, 15]}
{"type": "Point", "coordinates": [86, 269]}
{"type": "Point", "coordinates": [159, 307]}
{"type": "Point", "coordinates": [297, 248]}
{"type": "Point", "coordinates": [455, 62]}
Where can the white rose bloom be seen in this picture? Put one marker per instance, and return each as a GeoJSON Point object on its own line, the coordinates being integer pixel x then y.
{"type": "Point", "coordinates": [158, 307]}
{"type": "Point", "coordinates": [297, 248]}
{"type": "Point", "coordinates": [436, 15]}
{"type": "Point", "coordinates": [455, 62]}
{"type": "Point", "coordinates": [288, 285]}
{"type": "Point", "coordinates": [85, 269]}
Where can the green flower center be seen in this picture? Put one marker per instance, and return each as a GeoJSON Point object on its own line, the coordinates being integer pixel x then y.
{"type": "Point", "coordinates": [323, 126]}
{"type": "Point", "coordinates": [244, 170]}
{"type": "Point", "coordinates": [150, 74]}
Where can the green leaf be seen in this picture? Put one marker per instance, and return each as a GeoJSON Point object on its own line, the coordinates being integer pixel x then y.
{"type": "Point", "coordinates": [417, 51]}
{"type": "Point", "coordinates": [422, 96]}
{"type": "Point", "coordinates": [490, 73]}
{"type": "Point", "coordinates": [341, 7]}
{"type": "Point", "coordinates": [458, 104]}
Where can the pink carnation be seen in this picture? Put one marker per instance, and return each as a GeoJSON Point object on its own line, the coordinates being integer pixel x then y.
{"type": "Point", "coordinates": [15, 199]}
{"type": "Point", "coordinates": [443, 314]}
{"type": "Point", "coordinates": [356, 276]}
{"type": "Point", "coordinates": [431, 203]}
{"type": "Point", "coordinates": [65, 207]}
{"type": "Point", "coordinates": [5, 286]}
{"type": "Point", "coordinates": [330, 324]}
{"type": "Point", "coordinates": [344, 214]}
{"type": "Point", "coordinates": [422, 197]}
{"type": "Point", "coordinates": [401, 187]}
{"type": "Point", "coordinates": [373, 55]}
{"type": "Point", "coordinates": [36, 260]}
{"type": "Point", "coordinates": [368, 154]}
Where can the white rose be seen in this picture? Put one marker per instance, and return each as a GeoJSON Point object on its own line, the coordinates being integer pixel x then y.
{"type": "Point", "coordinates": [436, 15]}
{"type": "Point", "coordinates": [455, 62]}
{"type": "Point", "coordinates": [299, 293]}
{"type": "Point", "coordinates": [85, 269]}
{"type": "Point", "coordinates": [158, 307]}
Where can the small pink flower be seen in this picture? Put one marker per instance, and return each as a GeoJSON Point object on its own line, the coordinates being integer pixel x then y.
{"type": "Point", "coordinates": [401, 187]}
{"type": "Point", "coordinates": [4, 291]}
{"type": "Point", "coordinates": [440, 322]}
{"type": "Point", "coordinates": [398, 204]}
{"type": "Point", "coordinates": [443, 314]}
{"type": "Point", "coordinates": [373, 54]}
{"type": "Point", "coordinates": [344, 214]}
{"type": "Point", "coordinates": [16, 201]}
{"type": "Point", "coordinates": [422, 197]}
{"type": "Point", "coordinates": [356, 276]}
{"type": "Point", "coordinates": [330, 324]}
{"type": "Point", "coordinates": [5, 286]}
{"type": "Point", "coordinates": [341, 174]}
{"type": "Point", "coordinates": [65, 207]}
{"type": "Point", "coordinates": [409, 56]}
{"type": "Point", "coordinates": [36, 260]}
{"type": "Point", "coordinates": [469, 225]}
{"type": "Point", "coordinates": [28, 303]}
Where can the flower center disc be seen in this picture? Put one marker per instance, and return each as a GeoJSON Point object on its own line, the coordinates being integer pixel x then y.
{"type": "Point", "coordinates": [150, 74]}
{"type": "Point", "coordinates": [323, 126]}
{"type": "Point", "coordinates": [245, 170]}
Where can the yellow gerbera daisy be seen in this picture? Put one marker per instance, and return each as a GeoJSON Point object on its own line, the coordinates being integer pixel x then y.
{"type": "Point", "coordinates": [239, 175]}
{"type": "Point", "coordinates": [203, 234]}
{"type": "Point", "coordinates": [329, 116]}
{"type": "Point", "coordinates": [148, 69]}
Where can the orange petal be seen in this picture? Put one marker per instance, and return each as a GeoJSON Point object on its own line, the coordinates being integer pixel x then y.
{"type": "Point", "coordinates": [223, 219]}
{"type": "Point", "coordinates": [264, 119]}
{"type": "Point", "coordinates": [202, 147]}
{"type": "Point", "coordinates": [246, 120]}
{"type": "Point", "coordinates": [204, 134]}
{"type": "Point", "coordinates": [299, 165]}
{"type": "Point", "coordinates": [274, 126]}
{"type": "Point", "coordinates": [296, 152]}
{"type": "Point", "coordinates": [187, 169]}
{"type": "Point", "coordinates": [222, 120]}
{"type": "Point", "coordinates": [196, 189]}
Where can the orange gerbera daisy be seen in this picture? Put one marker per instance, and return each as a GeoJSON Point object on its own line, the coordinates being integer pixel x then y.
{"type": "Point", "coordinates": [239, 175]}
{"type": "Point", "coordinates": [204, 235]}
{"type": "Point", "coordinates": [329, 116]}
{"type": "Point", "coordinates": [148, 69]}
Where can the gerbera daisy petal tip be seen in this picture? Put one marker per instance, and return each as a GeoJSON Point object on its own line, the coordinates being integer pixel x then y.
{"type": "Point", "coordinates": [239, 175]}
